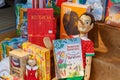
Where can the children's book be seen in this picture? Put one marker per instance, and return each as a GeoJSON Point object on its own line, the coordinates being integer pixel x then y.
{"type": "Point", "coordinates": [98, 8]}
{"type": "Point", "coordinates": [70, 12]}
{"type": "Point", "coordinates": [113, 13]}
{"type": "Point", "coordinates": [68, 58]}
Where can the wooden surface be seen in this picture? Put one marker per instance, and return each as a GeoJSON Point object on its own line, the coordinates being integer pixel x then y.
{"type": "Point", "coordinates": [106, 63]}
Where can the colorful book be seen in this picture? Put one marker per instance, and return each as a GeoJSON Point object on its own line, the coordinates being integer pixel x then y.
{"type": "Point", "coordinates": [43, 59]}
{"type": "Point", "coordinates": [70, 12]}
{"type": "Point", "coordinates": [113, 13]}
{"type": "Point", "coordinates": [98, 8]}
{"type": "Point", "coordinates": [68, 58]}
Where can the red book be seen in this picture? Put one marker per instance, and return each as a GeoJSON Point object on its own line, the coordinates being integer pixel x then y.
{"type": "Point", "coordinates": [59, 2]}
{"type": "Point", "coordinates": [41, 23]}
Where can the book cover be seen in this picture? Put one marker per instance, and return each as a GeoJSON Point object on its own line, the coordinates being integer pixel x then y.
{"type": "Point", "coordinates": [41, 23]}
{"type": "Point", "coordinates": [98, 8]}
{"type": "Point", "coordinates": [113, 13]}
{"type": "Point", "coordinates": [43, 59]}
{"type": "Point", "coordinates": [68, 58]}
{"type": "Point", "coordinates": [70, 12]}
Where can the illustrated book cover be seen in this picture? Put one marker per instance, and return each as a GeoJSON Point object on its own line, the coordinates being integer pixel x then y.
{"type": "Point", "coordinates": [113, 13]}
{"type": "Point", "coordinates": [98, 8]}
{"type": "Point", "coordinates": [70, 12]}
{"type": "Point", "coordinates": [68, 58]}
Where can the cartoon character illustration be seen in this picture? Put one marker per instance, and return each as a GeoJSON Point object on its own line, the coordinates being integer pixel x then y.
{"type": "Point", "coordinates": [61, 58]}
{"type": "Point", "coordinates": [31, 69]}
{"type": "Point", "coordinates": [73, 70]}
{"type": "Point", "coordinates": [23, 29]}
{"type": "Point", "coordinates": [70, 23]}
{"type": "Point", "coordinates": [49, 2]}
{"type": "Point", "coordinates": [114, 15]}
{"type": "Point", "coordinates": [96, 8]}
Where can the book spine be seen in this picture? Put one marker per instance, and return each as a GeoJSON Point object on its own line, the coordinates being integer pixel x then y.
{"type": "Point", "coordinates": [40, 3]}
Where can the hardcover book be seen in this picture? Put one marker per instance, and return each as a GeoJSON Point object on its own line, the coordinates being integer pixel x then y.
{"type": "Point", "coordinates": [98, 8]}
{"type": "Point", "coordinates": [41, 23]}
{"type": "Point", "coordinates": [70, 12]}
{"type": "Point", "coordinates": [113, 13]}
{"type": "Point", "coordinates": [68, 58]}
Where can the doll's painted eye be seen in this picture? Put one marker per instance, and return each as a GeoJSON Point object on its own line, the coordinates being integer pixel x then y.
{"type": "Point", "coordinates": [87, 22]}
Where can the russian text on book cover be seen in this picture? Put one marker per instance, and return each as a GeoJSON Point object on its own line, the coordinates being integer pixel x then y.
{"type": "Point", "coordinates": [68, 58]}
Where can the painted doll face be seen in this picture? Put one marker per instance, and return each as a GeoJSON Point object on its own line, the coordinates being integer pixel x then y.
{"type": "Point", "coordinates": [32, 62]}
{"type": "Point", "coordinates": [84, 24]}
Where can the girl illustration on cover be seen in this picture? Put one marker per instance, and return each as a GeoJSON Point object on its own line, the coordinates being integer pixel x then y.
{"type": "Point", "coordinates": [31, 69]}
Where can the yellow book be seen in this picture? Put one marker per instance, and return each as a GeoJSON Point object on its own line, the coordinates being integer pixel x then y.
{"type": "Point", "coordinates": [43, 59]}
{"type": "Point", "coordinates": [70, 12]}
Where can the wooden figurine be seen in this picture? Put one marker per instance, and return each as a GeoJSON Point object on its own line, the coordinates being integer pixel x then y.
{"type": "Point", "coordinates": [31, 68]}
{"type": "Point", "coordinates": [85, 24]}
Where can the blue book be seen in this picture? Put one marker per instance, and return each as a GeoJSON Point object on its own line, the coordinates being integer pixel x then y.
{"type": "Point", "coordinates": [82, 1]}
{"type": "Point", "coordinates": [98, 8]}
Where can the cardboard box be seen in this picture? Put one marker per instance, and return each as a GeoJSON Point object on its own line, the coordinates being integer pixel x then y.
{"type": "Point", "coordinates": [43, 59]}
{"type": "Point", "coordinates": [18, 61]}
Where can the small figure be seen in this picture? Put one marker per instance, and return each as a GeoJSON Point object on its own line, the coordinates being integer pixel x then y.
{"type": "Point", "coordinates": [31, 69]}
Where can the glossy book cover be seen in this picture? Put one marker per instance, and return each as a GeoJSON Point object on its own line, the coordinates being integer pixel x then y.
{"type": "Point", "coordinates": [68, 58]}
{"type": "Point", "coordinates": [98, 8]}
{"type": "Point", "coordinates": [113, 13]}
{"type": "Point", "coordinates": [70, 12]}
